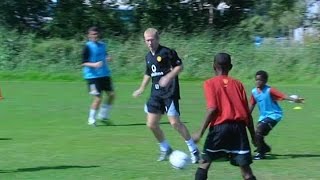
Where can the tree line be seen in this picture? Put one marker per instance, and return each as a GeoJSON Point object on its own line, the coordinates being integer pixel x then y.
{"type": "Point", "coordinates": [70, 18]}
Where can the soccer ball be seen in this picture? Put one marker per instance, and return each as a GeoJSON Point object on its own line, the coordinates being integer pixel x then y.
{"type": "Point", "coordinates": [179, 159]}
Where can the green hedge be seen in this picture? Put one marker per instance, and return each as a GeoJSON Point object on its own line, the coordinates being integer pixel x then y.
{"type": "Point", "coordinates": [26, 57]}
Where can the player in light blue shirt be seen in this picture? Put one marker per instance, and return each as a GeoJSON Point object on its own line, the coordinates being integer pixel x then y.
{"type": "Point", "coordinates": [266, 98]}
{"type": "Point", "coordinates": [98, 76]}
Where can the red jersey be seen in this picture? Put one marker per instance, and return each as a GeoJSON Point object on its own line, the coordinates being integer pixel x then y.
{"type": "Point", "coordinates": [228, 97]}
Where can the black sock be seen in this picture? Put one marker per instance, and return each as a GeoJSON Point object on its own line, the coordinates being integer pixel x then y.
{"type": "Point", "coordinates": [252, 178]}
{"type": "Point", "coordinates": [201, 174]}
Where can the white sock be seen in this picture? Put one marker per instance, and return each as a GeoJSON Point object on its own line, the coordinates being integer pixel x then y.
{"type": "Point", "coordinates": [92, 113]}
{"type": "Point", "coordinates": [104, 110]}
{"type": "Point", "coordinates": [191, 145]}
{"type": "Point", "coordinates": [164, 145]}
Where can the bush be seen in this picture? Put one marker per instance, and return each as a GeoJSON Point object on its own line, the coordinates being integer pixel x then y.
{"type": "Point", "coordinates": [26, 57]}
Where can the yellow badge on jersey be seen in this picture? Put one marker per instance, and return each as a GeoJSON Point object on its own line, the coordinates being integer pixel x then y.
{"type": "Point", "coordinates": [225, 82]}
{"type": "Point", "coordinates": [159, 58]}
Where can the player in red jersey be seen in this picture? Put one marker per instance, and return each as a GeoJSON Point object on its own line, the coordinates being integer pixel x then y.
{"type": "Point", "coordinates": [227, 117]}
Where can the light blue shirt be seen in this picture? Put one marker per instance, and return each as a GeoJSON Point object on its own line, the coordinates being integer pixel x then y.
{"type": "Point", "coordinates": [267, 106]}
{"type": "Point", "coordinates": [97, 52]}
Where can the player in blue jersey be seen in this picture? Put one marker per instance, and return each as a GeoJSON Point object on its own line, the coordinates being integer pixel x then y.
{"type": "Point", "coordinates": [162, 67]}
{"type": "Point", "coordinates": [266, 98]}
{"type": "Point", "coordinates": [98, 76]}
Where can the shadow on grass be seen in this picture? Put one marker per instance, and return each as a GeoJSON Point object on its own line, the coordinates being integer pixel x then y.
{"type": "Point", "coordinates": [5, 139]}
{"type": "Point", "coordinates": [109, 123]}
{"type": "Point", "coordinates": [290, 156]}
{"type": "Point", "coordinates": [40, 168]}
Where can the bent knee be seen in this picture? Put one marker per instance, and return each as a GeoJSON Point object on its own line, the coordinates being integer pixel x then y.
{"type": "Point", "coordinates": [152, 125]}
{"type": "Point", "coordinates": [176, 123]}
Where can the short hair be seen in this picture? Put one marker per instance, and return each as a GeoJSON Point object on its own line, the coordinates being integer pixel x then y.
{"type": "Point", "coordinates": [223, 60]}
{"type": "Point", "coordinates": [263, 74]}
{"type": "Point", "coordinates": [94, 28]}
{"type": "Point", "coordinates": [152, 31]}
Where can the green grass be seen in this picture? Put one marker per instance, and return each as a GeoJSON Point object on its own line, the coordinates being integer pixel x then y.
{"type": "Point", "coordinates": [44, 135]}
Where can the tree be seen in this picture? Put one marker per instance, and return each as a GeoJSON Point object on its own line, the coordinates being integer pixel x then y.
{"type": "Point", "coordinates": [24, 15]}
{"type": "Point", "coordinates": [274, 17]}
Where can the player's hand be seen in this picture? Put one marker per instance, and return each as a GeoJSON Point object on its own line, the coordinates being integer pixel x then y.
{"type": "Point", "coordinates": [196, 137]}
{"type": "Point", "coordinates": [299, 100]}
{"type": "Point", "coordinates": [137, 93]}
{"type": "Point", "coordinates": [97, 64]}
{"type": "Point", "coordinates": [108, 58]}
{"type": "Point", "coordinates": [164, 81]}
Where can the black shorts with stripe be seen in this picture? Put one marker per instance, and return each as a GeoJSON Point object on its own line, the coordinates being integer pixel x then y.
{"type": "Point", "coordinates": [159, 105]}
{"type": "Point", "coordinates": [100, 84]}
{"type": "Point", "coordinates": [228, 141]}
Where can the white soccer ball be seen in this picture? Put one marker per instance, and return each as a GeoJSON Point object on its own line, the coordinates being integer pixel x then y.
{"type": "Point", "coordinates": [179, 159]}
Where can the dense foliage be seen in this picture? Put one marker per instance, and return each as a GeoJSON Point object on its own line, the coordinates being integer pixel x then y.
{"type": "Point", "coordinates": [70, 18]}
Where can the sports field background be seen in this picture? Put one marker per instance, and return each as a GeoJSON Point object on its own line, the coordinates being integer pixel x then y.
{"type": "Point", "coordinates": [44, 135]}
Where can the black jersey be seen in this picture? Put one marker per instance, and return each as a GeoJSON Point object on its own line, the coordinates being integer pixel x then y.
{"type": "Point", "coordinates": [160, 64]}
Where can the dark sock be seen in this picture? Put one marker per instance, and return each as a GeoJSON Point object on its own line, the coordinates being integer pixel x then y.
{"type": "Point", "coordinates": [201, 174]}
{"type": "Point", "coordinates": [252, 178]}
{"type": "Point", "coordinates": [259, 141]}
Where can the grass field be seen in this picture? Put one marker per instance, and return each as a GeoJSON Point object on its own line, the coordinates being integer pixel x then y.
{"type": "Point", "coordinates": [44, 135]}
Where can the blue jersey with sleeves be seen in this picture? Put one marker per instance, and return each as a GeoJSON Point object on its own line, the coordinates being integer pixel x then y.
{"type": "Point", "coordinates": [267, 106]}
{"type": "Point", "coordinates": [96, 51]}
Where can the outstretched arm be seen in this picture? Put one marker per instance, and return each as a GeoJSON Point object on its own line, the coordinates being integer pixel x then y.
{"type": "Point", "coordinates": [294, 99]}
{"type": "Point", "coordinates": [277, 95]}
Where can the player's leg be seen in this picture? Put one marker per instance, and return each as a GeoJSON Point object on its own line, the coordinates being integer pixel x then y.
{"type": "Point", "coordinates": [212, 150]}
{"type": "Point", "coordinates": [240, 150]}
{"type": "Point", "coordinates": [93, 109]}
{"type": "Point", "coordinates": [247, 173]}
{"type": "Point", "coordinates": [154, 110]}
{"type": "Point", "coordinates": [96, 101]}
{"type": "Point", "coordinates": [153, 123]}
{"type": "Point", "coordinates": [105, 84]}
{"type": "Point", "coordinates": [173, 112]}
{"type": "Point", "coordinates": [263, 128]}
{"type": "Point", "coordinates": [104, 111]}
{"type": "Point", "coordinates": [202, 171]}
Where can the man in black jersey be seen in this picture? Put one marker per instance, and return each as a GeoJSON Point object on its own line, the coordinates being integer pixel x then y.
{"type": "Point", "coordinates": [163, 66]}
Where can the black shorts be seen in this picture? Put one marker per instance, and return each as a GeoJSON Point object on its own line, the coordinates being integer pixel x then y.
{"type": "Point", "coordinates": [158, 105]}
{"type": "Point", "coordinates": [228, 141]}
{"type": "Point", "coordinates": [100, 84]}
{"type": "Point", "coordinates": [265, 126]}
